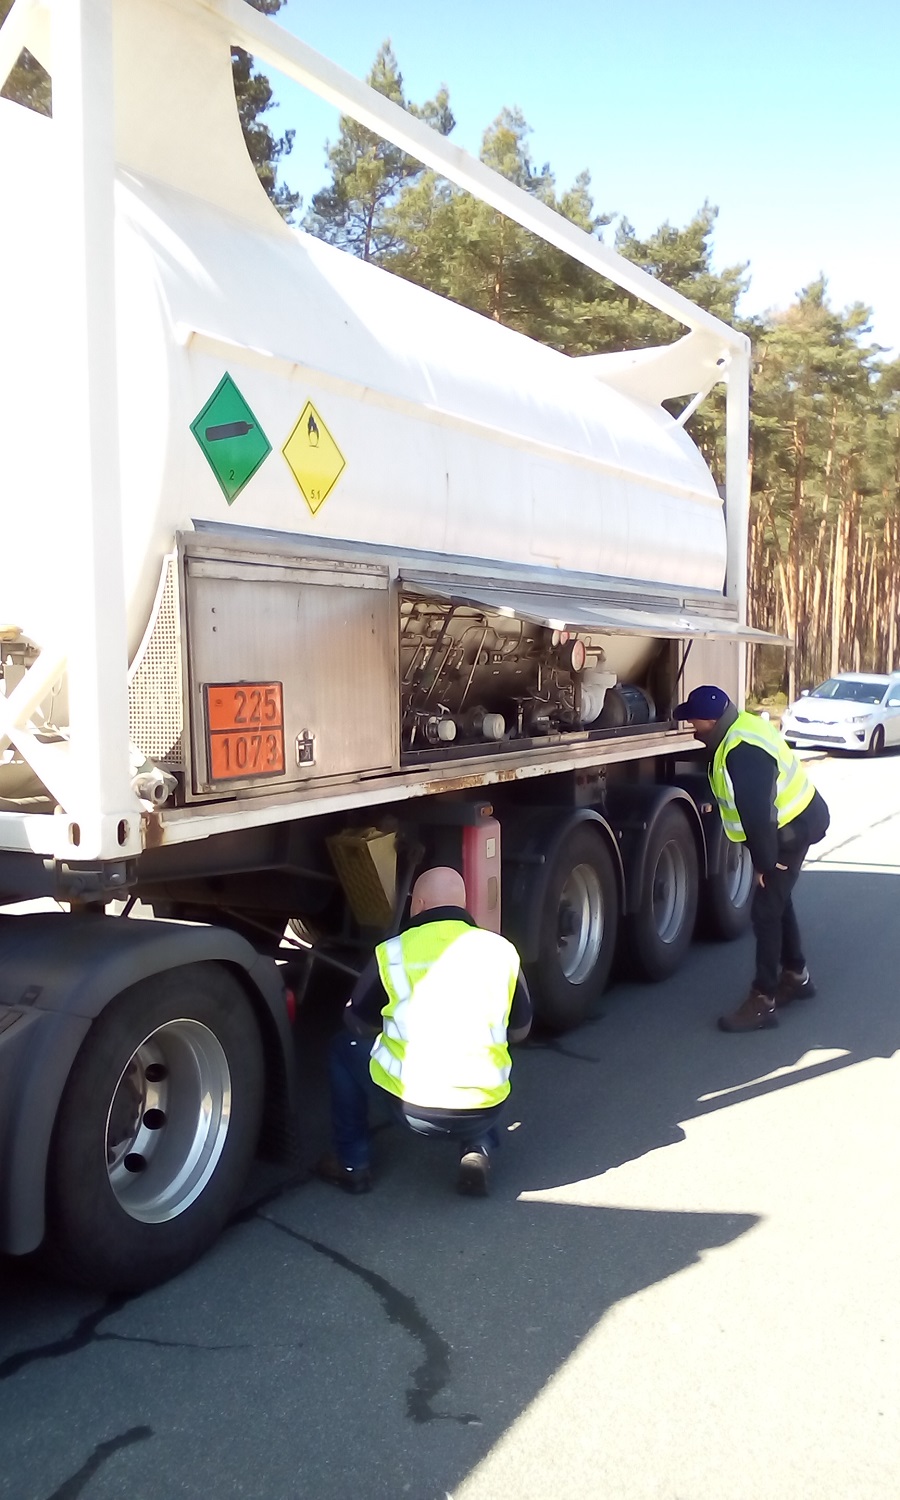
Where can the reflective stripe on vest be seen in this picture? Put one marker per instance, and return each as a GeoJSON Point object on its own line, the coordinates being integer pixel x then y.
{"type": "Point", "coordinates": [443, 1039]}
{"type": "Point", "coordinates": [793, 789]}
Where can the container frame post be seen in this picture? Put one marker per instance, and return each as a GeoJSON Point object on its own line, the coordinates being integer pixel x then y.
{"type": "Point", "coordinates": [102, 810]}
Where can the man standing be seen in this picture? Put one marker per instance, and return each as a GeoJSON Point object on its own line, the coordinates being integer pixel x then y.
{"type": "Point", "coordinates": [766, 800]}
{"type": "Point", "coordinates": [442, 999]}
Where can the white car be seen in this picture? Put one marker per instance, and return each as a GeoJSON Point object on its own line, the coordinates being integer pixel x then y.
{"type": "Point", "coordinates": [852, 711]}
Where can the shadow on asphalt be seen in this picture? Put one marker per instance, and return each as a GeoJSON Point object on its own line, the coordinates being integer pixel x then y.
{"type": "Point", "coordinates": [337, 1348]}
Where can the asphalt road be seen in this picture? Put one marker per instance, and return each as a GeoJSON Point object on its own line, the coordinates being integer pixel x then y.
{"type": "Point", "coordinates": [684, 1286]}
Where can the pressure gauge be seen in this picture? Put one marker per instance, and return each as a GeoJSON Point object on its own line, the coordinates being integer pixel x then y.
{"type": "Point", "coordinates": [575, 655]}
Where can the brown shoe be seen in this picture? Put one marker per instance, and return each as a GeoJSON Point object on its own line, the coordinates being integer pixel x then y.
{"type": "Point", "coordinates": [350, 1179]}
{"type": "Point", "coordinates": [756, 1013]}
{"type": "Point", "coordinates": [793, 986]}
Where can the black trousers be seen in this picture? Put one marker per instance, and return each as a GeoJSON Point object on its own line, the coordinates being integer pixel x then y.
{"type": "Point", "coordinates": [775, 924]}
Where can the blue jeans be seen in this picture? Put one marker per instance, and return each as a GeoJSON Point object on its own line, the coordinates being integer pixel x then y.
{"type": "Point", "coordinates": [353, 1089]}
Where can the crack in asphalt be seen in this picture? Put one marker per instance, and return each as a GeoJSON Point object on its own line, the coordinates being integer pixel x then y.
{"type": "Point", "coordinates": [84, 1333]}
{"type": "Point", "coordinates": [74, 1485]}
{"type": "Point", "coordinates": [428, 1378]}
{"type": "Point", "coordinates": [88, 1331]}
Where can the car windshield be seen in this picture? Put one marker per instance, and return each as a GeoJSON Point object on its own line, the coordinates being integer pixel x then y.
{"type": "Point", "coordinates": [854, 689]}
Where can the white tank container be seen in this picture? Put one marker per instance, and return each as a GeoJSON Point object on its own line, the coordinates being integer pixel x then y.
{"type": "Point", "coordinates": [458, 437]}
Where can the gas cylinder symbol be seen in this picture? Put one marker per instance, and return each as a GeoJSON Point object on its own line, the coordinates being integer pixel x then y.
{"type": "Point", "coordinates": [312, 432]}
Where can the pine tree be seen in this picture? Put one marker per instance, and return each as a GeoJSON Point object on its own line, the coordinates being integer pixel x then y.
{"type": "Point", "coordinates": [822, 484]}
{"type": "Point", "coordinates": [610, 318]}
{"type": "Point", "coordinates": [253, 93]}
{"type": "Point", "coordinates": [368, 173]}
{"type": "Point", "coordinates": [456, 245]}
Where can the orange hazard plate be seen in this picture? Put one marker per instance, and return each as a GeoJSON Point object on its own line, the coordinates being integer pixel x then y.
{"type": "Point", "coordinates": [245, 730]}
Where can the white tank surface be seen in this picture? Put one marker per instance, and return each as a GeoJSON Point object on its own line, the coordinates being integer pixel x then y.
{"type": "Point", "coordinates": [413, 423]}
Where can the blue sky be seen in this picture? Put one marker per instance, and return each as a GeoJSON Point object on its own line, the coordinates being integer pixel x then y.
{"type": "Point", "coordinates": [786, 115]}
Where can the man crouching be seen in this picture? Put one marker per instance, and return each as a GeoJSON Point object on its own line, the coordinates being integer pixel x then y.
{"type": "Point", "coordinates": [443, 1000]}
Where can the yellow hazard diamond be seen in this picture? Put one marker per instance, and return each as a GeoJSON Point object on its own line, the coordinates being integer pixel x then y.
{"type": "Point", "coordinates": [313, 457]}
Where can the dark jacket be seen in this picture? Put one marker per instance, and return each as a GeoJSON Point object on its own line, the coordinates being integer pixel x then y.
{"type": "Point", "coordinates": [362, 1013]}
{"type": "Point", "coordinates": [754, 774]}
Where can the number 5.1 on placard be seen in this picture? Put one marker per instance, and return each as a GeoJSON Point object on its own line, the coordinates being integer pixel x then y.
{"type": "Point", "coordinates": [245, 730]}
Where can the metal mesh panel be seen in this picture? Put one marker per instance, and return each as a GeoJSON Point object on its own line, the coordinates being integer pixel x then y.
{"type": "Point", "coordinates": [155, 701]}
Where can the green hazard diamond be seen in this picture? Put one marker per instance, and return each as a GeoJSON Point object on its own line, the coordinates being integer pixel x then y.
{"type": "Point", "coordinates": [232, 440]}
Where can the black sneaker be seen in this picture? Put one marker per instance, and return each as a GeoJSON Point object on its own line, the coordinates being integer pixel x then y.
{"type": "Point", "coordinates": [756, 1013]}
{"type": "Point", "coordinates": [793, 986]}
{"type": "Point", "coordinates": [474, 1174]}
{"type": "Point", "coordinates": [349, 1179]}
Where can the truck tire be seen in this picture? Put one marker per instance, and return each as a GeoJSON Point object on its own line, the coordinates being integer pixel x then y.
{"type": "Point", "coordinates": [660, 930]}
{"type": "Point", "coordinates": [578, 929]}
{"type": "Point", "coordinates": [728, 894]}
{"type": "Point", "coordinates": [155, 1132]}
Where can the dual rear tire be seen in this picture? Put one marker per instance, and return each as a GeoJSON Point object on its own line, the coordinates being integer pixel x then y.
{"type": "Point", "coordinates": [579, 925]}
{"type": "Point", "coordinates": [728, 894]}
{"type": "Point", "coordinates": [661, 927]}
{"type": "Point", "coordinates": [580, 922]}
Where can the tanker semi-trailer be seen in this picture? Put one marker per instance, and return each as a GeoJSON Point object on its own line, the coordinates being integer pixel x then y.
{"type": "Point", "coordinates": [308, 576]}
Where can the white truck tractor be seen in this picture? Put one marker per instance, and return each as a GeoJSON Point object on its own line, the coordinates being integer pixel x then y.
{"type": "Point", "coordinates": [307, 576]}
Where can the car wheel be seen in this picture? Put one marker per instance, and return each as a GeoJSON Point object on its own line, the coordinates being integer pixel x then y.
{"type": "Point", "coordinates": [876, 742]}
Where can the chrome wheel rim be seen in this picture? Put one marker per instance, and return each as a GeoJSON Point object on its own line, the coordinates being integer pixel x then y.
{"type": "Point", "coordinates": [580, 924]}
{"type": "Point", "coordinates": [167, 1122]}
{"type": "Point", "coordinates": [738, 873]}
{"type": "Point", "coordinates": [670, 892]}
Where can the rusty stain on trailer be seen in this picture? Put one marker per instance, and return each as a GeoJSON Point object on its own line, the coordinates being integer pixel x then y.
{"type": "Point", "coordinates": [464, 783]}
{"type": "Point", "coordinates": [154, 832]}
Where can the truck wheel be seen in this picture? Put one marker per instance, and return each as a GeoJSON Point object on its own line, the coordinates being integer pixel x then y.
{"type": "Point", "coordinates": [155, 1131]}
{"type": "Point", "coordinates": [579, 924]}
{"type": "Point", "coordinates": [728, 894]}
{"type": "Point", "coordinates": [660, 930]}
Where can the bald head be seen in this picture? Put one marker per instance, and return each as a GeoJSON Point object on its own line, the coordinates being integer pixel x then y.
{"type": "Point", "coordinates": [440, 886]}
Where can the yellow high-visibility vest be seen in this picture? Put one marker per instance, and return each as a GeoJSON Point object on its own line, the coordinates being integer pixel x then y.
{"type": "Point", "coordinates": [793, 789]}
{"type": "Point", "coordinates": [443, 1041]}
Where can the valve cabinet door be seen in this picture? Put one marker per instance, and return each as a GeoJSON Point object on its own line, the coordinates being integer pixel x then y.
{"type": "Point", "coordinates": [292, 672]}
